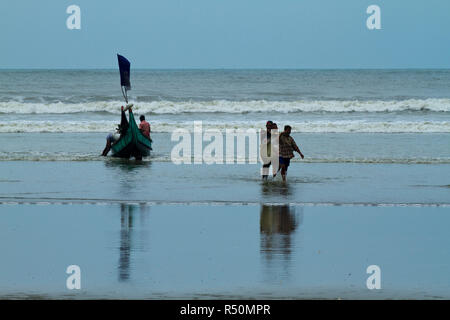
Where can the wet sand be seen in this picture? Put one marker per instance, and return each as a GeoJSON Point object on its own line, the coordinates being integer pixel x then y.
{"type": "Point", "coordinates": [155, 230]}
{"type": "Point", "coordinates": [223, 251]}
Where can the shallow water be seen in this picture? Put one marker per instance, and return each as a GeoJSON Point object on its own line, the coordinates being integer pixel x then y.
{"type": "Point", "coordinates": [128, 181]}
{"type": "Point", "coordinates": [223, 251]}
{"type": "Point", "coordinates": [161, 231]}
{"type": "Point", "coordinates": [401, 148]}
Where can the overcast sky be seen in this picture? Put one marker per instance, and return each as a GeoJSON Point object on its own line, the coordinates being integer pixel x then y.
{"type": "Point", "coordinates": [225, 34]}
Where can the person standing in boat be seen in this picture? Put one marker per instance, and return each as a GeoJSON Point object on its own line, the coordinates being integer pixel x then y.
{"type": "Point", "coordinates": [144, 126]}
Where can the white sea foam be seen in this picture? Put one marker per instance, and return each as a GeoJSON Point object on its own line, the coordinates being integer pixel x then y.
{"type": "Point", "coordinates": [234, 107]}
{"type": "Point", "coordinates": [68, 156]}
{"type": "Point", "coordinates": [343, 126]}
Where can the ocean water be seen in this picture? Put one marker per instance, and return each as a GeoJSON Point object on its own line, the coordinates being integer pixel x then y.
{"type": "Point", "coordinates": [380, 101]}
{"type": "Point", "coordinates": [373, 188]}
{"type": "Point", "coordinates": [339, 115]}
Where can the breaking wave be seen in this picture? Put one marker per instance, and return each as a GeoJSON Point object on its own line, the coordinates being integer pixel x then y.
{"type": "Point", "coordinates": [234, 107]}
{"type": "Point", "coordinates": [344, 126]}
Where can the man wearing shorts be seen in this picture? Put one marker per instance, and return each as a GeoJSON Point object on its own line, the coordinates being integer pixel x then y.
{"type": "Point", "coordinates": [287, 148]}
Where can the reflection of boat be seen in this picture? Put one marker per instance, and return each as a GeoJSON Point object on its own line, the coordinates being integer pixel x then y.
{"type": "Point", "coordinates": [126, 228]}
{"type": "Point", "coordinates": [132, 142]}
{"type": "Point", "coordinates": [131, 237]}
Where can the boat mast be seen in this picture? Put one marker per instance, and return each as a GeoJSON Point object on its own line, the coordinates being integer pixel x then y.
{"type": "Point", "coordinates": [124, 93]}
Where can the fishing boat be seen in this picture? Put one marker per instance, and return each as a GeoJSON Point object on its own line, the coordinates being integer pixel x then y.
{"type": "Point", "coordinates": [132, 143]}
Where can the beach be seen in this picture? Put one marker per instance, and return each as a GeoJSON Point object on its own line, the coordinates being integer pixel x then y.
{"type": "Point", "coordinates": [168, 251]}
{"type": "Point", "coordinates": [373, 188]}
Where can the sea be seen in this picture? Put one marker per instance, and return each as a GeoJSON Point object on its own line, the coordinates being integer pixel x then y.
{"type": "Point", "coordinates": [391, 115]}
{"type": "Point", "coordinates": [372, 190]}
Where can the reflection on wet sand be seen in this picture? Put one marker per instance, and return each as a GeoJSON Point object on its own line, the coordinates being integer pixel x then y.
{"type": "Point", "coordinates": [278, 224]}
{"type": "Point", "coordinates": [127, 230]}
{"type": "Point", "coordinates": [127, 176]}
{"type": "Point", "coordinates": [126, 226]}
{"type": "Point", "coordinates": [276, 188]}
{"type": "Point", "coordinates": [126, 165]}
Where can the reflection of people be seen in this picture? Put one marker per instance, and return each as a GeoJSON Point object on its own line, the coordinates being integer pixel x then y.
{"type": "Point", "coordinates": [144, 126]}
{"type": "Point", "coordinates": [111, 138]}
{"type": "Point", "coordinates": [287, 148]}
{"type": "Point", "coordinates": [277, 219]}
{"type": "Point", "coordinates": [278, 224]}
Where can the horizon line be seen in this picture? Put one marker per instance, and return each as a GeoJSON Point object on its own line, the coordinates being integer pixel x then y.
{"type": "Point", "coordinates": [218, 68]}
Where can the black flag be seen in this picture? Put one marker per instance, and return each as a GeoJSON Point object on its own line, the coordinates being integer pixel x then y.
{"type": "Point", "coordinates": [124, 68]}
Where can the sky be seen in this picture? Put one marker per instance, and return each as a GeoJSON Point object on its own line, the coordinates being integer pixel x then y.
{"type": "Point", "coordinates": [322, 34]}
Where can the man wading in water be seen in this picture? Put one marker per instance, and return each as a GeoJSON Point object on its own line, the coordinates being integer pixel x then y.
{"type": "Point", "coordinates": [287, 148]}
{"type": "Point", "coordinates": [265, 149]}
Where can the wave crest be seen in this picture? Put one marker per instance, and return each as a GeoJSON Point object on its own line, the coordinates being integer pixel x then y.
{"type": "Point", "coordinates": [303, 127]}
{"type": "Point", "coordinates": [234, 107]}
